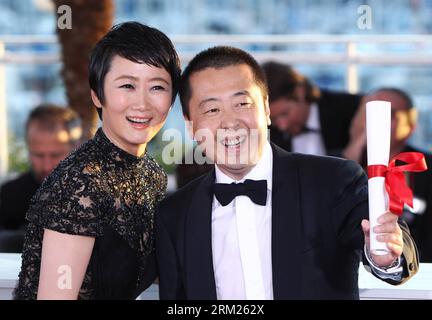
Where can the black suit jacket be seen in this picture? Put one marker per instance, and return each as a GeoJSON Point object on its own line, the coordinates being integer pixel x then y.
{"type": "Point", "coordinates": [421, 224]}
{"type": "Point", "coordinates": [336, 110]}
{"type": "Point", "coordinates": [15, 196]}
{"type": "Point", "coordinates": [317, 206]}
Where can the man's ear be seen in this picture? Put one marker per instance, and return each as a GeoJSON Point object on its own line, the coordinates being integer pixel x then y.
{"type": "Point", "coordinates": [267, 110]}
{"type": "Point", "coordinates": [95, 99]}
{"type": "Point", "coordinates": [413, 116]}
{"type": "Point", "coordinates": [412, 120]}
{"type": "Point", "coordinates": [189, 127]}
{"type": "Point", "coordinates": [406, 124]}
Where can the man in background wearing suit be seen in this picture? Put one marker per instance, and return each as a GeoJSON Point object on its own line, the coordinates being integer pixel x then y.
{"type": "Point", "coordinates": [52, 132]}
{"type": "Point", "coordinates": [403, 124]}
{"type": "Point", "coordinates": [304, 118]}
{"type": "Point", "coordinates": [265, 223]}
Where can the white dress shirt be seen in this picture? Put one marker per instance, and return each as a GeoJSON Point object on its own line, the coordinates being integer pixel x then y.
{"type": "Point", "coordinates": [310, 142]}
{"type": "Point", "coordinates": [238, 230]}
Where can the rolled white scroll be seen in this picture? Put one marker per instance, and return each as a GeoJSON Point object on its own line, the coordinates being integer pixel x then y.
{"type": "Point", "coordinates": [378, 126]}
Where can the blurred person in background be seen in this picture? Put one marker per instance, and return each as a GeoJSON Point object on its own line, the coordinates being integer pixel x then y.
{"type": "Point", "coordinates": [52, 132]}
{"type": "Point", "coordinates": [403, 124]}
{"type": "Point", "coordinates": [305, 118]}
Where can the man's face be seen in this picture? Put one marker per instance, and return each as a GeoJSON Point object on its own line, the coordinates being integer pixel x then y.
{"type": "Point", "coordinates": [290, 114]}
{"type": "Point", "coordinates": [46, 149]}
{"type": "Point", "coordinates": [229, 116]}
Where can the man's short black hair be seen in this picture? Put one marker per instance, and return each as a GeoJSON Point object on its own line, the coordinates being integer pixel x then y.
{"type": "Point", "coordinates": [135, 42]}
{"type": "Point", "coordinates": [218, 57]}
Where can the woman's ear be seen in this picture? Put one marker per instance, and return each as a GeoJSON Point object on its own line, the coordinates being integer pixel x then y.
{"type": "Point", "coordinates": [95, 99]}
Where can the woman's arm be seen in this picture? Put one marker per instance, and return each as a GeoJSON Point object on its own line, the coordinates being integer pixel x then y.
{"type": "Point", "coordinates": [64, 263]}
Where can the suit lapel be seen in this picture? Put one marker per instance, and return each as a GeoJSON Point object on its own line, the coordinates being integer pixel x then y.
{"type": "Point", "coordinates": [286, 226]}
{"type": "Point", "coordinates": [324, 123]}
{"type": "Point", "coordinates": [200, 282]}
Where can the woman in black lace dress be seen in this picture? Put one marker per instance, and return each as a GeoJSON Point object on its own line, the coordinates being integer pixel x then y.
{"type": "Point", "coordinates": [90, 232]}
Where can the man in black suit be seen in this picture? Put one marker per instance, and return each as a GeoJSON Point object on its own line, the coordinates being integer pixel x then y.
{"type": "Point", "coordinates": [403, 124]}
{"type": "Point", "coordinates": [52, 132]}
{"type": "Point", "coordinates": [265, 223]}
{"type": "Point", "coordinates": [304, 118]}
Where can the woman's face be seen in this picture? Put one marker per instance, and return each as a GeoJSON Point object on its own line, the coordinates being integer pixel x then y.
{"type": "Point", "coordinates": [137, 101]}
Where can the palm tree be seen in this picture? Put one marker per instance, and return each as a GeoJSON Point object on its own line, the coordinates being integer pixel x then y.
{"type": "Point", "coordinates": [90, 20]}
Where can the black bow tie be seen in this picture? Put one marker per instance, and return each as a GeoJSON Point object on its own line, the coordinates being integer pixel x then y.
{"type": "Point", "coordinates": [256, 190]}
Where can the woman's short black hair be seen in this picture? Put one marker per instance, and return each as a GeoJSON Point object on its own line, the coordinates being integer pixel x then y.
{"type": "Point", "coordinates": [135, 42]}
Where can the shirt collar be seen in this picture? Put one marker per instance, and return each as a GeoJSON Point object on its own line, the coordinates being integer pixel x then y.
{"type": "Point", "coordinates": [313, 121]}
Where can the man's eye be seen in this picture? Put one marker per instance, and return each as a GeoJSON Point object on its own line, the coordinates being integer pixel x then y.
{"type": "Point", "coordinates": [127, 86]}
{"type": "Point", "coordinates": [158, 88]}
{"type": "Point", "coordinates": [245, 104]}
{"type": "Point", "coordinates": [212, 111]}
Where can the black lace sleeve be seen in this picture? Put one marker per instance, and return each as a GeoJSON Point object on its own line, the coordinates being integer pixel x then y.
{"type": "Point", "coordinates": [68, 202]}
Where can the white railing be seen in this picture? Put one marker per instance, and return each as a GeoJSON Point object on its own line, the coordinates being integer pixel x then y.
{"type": "Point", "coordinates": [351, 56]}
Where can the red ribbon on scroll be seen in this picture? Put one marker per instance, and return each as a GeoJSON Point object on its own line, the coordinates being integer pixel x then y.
{"type": "Point", "coordinates": [397, 189]}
